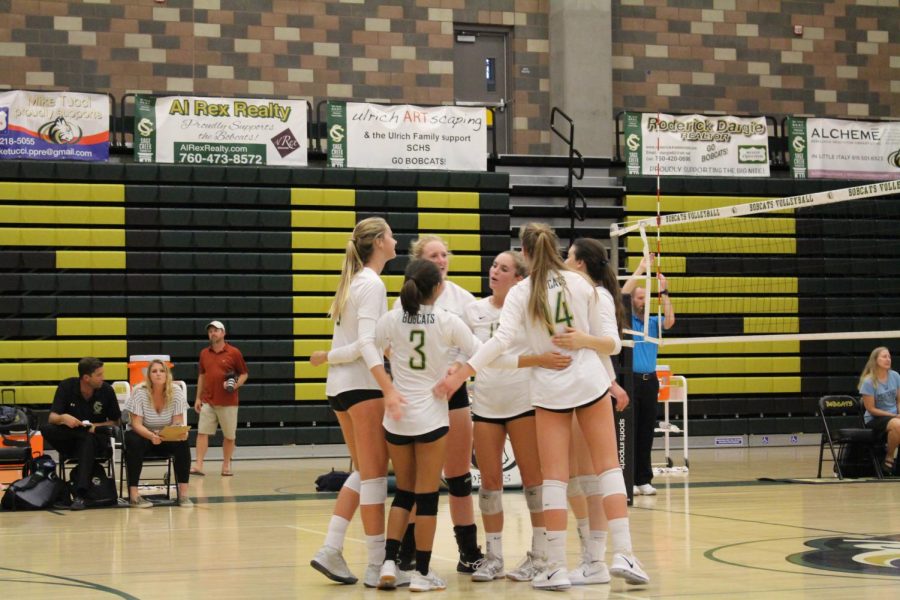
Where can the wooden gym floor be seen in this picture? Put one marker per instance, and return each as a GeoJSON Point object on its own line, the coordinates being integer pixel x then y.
{"type": "Point", "coordinates": [715, 533]}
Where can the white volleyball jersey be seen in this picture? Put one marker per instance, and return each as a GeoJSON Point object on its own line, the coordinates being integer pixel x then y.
{"type": "Point", "coordinates": [353, 350]}
{"type": "Point", "coordinates": [500, 391]}
{"type": "Point", "coordinates": [454, 299]}
{"type": "Point", "coordinates": [420, 354]}
{"type": "Point", "coordinates": [574, 304]}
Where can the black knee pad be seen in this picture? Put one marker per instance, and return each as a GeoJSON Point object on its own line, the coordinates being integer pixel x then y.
{"type": "Point", "coordinates": [404, 499]}
{"type": "Point", "coordinates": [460, 486]}
{"type": "Point", "coordinates": [427, 504]}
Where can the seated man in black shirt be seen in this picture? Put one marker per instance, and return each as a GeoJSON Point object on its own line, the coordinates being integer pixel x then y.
{"type": "Point", "coordinates": [80, 406]}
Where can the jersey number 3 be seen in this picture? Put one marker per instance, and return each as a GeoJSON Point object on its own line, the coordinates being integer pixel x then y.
{"type": "Point", "coordinates": [417, 337]}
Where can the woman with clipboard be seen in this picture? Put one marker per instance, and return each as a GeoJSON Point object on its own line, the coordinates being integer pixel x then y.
{"type": "Point", "coordinates": [157, 408]}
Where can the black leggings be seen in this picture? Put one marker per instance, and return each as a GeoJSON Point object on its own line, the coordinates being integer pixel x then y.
{"type": "Point", "coordinates": [80, 444]}
{"type": "Point", "coordinates": [137, 447]}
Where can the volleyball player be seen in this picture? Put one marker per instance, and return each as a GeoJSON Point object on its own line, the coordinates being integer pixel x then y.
{"type": "Point", "coordinates": [501, 405]}
{"type": "Point", "coordinates": [553, 296]}
{"type": "Point", "coordinates": [356, 378]}
{"type": "Point", "coordinates": [457, 469]}
{"type": "Point", "coordinates": [420, 336]}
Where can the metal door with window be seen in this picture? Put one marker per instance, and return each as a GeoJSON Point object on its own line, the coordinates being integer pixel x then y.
{"type": "Point", "coordinates": [480, 76]}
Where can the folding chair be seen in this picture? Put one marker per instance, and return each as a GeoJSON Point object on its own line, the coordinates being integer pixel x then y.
{"type": "Point", "coordinates": [15, 439]}
{"type": "Point", "coordinates": [837, 412]}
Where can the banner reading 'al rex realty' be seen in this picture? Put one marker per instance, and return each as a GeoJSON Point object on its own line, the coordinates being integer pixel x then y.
{"type": "Point", "coordinates": [219, 131]}
{"type": "Point", "coordinates": [696, 145]}
{"type": "Point", "coordinates": [840, 149]}
{"type": "Point", "coordinates": [407, 137]}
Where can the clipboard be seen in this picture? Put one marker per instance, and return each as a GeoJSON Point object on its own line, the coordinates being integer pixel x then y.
{"type": "Point", "coordinates": [173, 433]}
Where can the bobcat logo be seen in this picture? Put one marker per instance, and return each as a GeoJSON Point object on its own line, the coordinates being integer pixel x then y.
{"type": "Point", "coordinates": [864, 555]}
{"type": "Point", "coordinates": [894, 159]}
{"type": "Point", "coordinates": [60, 132]}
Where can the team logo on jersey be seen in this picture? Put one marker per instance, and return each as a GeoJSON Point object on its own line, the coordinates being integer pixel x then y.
{"type": "Point", "coordinates": [98, 408]}
{"type": "Point", "coordinates": [878, 555]}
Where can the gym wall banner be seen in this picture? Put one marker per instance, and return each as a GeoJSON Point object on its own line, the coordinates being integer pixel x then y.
{"type": "Point", "coordinates": [841, 149]}
{"type": "Point", "coordinates": [54, 126]}
{"type": "Point", "coordinates": [375, 136]}
{"type": "Point", "coordinates": [220, 131]}
{"type": "Point", "coordinates": [696, 145]}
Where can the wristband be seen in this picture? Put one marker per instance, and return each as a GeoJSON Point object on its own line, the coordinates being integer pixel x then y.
{"type": "Point", "coordinates": [664, 292]}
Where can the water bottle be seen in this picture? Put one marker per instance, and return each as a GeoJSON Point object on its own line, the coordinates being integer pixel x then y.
{"type": "Point", "coordinates": [230, 382]}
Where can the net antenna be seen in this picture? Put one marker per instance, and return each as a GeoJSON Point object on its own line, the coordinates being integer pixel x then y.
{"type": "Point", "coordinates": [743, 269]}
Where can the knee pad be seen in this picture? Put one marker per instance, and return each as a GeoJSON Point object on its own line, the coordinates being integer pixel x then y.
{"type": "Point", "coordinates": [534, 499]}
{"type": "Point", "coordinates": [352, 481]}
{"type": "Point", "coordinates": [490, 501]}
{"type": "Point", "coordinates": [590, 484]}
{"type": "Point", "coordinates": [554, 494]}
{"type": "Point", "coordinates": [612, 482]}
{"type": "Point", "coordinates": [404, 499]}
{"type": "Point", "coordinates": [427, 504]}
{"type": "Point", "coordinates": [574, 488]}
{"type": "Point", "coordinates": [373, 491]}
{"type": "Point", "coordinates": [460, 486]}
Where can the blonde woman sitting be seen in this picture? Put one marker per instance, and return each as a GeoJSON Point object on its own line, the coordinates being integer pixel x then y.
{"type": "Point", "coordinates": [156, 403]}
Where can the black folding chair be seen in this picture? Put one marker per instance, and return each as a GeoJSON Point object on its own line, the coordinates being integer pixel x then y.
{"type": "Point", "coordinates": [844, 428]}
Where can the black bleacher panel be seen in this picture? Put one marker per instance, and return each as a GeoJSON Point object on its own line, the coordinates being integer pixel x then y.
{"type": "Point", "coordinates": [386, 200]}
{"type": "Point", "coordinates": [314, 435]}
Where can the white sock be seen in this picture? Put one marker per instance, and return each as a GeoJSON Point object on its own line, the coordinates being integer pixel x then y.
{"type": "Point", "coordinates": [494, 544]}
{"type": "Point", "coordinates": [337, 530]}
{"type": "Point", "coordinates": [375, 547]}
{"type": "Point", "coordinates": [620, 535]}
{"type": "Point", "coordinates": [556, 547]}
{"type": "Point", "coordinates": [597, 544]}
{"type": "Point", "coordinates": [539, 541]}
{"type": "Point", "coordinates": [582, 526]}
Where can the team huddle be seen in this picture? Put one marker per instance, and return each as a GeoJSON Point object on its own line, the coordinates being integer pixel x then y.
{"type": "Point", "coordinates": [539, 347]}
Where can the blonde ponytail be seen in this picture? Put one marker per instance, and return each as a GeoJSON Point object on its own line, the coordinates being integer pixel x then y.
{"type": "Point", "coordinates": [357, 252]}
{"type": "Point", "coordinates": [541, 245]}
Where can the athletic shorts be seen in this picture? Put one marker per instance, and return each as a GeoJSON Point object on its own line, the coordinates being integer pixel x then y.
{"type": "Point", "coordinates": [459, 399]}
{"type": "Point", "coordinates": [343, 401]}
{"type": "Point", "coordinates": [880, 423]}
{"type": "Point", "coordinates": [212, 416]}
{"type": "Point", "coordinates": [585, 405]}
{"type": "Point", "coordinates": [425, 438]}
{"type": "Point", "coordinates": [501, 420]}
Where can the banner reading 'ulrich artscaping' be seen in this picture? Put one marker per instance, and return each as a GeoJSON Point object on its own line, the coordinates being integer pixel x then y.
{"type": "Point", "coordinates": [407, 137]}
{"type": "Point", "coordinates": [841, 149]}
{"type": "Point", "coordinates": [219, 131]}
{"type": "Point", "coordinates": [54, 126]}
{"type": "Point", "coordinates": [696, 145]}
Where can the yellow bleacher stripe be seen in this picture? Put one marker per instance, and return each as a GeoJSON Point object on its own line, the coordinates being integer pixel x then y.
{"type": "Point", "coordinates": [77, 349]}
{"type": "Point", "coordinates": [312, 305]}
{"type": "Point", "coordinates": [743, 225]}
{"type": "Point", "coordinates": [743, 365]}
{"type": "Point", "coordinates": [320, 240]}
{"type": "Point", "coordinates": [448, 200]}
{"type": "Point", "coordinates": [489, 119]}
{"type": "Point", "coordinates": [304, 370]}
{"type": "Point", "coordinates": [449, 222]}
{"type": "Point", "coordinates": [56, 371]}
{"type": "Point", "coordinates": [771, 325]}
{"type": "Point", "coordinates": [732, 305]}
{"type": "Point", "coordinates": [719, 245]}
{"type": "Point", "coordinates": [90, 259]}
{"type": "Point", "coordinates": [34, 394]}
{"type": "Point", "coordinates": [732, 285]}
{"type": "Point", "coordinates": [338, 219]}
{"type": "Point", "coordinates": [731, 348]}
{"type": "Point", "coordinates": [62, 215]}
{"type": "Point", "coordinates": [728, 386]}
{"type": "Point", "coordinates": [313, 326]}
{"type": "Point", "coordinates": [644, 203]}
{"type": "Point", "coordinates": [667, 264]}
{"type": "Point", "coordinates": [309, 391]}
{"type": "Point", "coordinates": [62, 192]}
{"type": "Point", "coordinates": [323, 197]}
{"type": "Point", "coordinates": [61, 237]}
{"type": "Point", "coordinates": [84, 327]}
{"type": "Point", "coordinates": [307, 347]}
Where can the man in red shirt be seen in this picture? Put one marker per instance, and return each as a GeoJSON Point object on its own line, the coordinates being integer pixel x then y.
{"type": "Point", "coordinates": [222, 373]}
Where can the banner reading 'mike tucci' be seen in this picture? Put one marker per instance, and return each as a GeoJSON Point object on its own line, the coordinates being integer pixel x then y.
{"type": "Point", "coordinates": [220, 131]}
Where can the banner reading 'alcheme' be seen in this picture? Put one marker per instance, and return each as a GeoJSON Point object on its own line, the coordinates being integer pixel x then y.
{"type": "Point", "coordinates": [219, 131]}
{"type": "Point", "coordinates": [841, 149]}
{"type": "Point", "coordinates": [54, 126]}
{"type": "Point", "coordinates": [696, 145]}
{"type": "Point", "coordinates": [407, 137]}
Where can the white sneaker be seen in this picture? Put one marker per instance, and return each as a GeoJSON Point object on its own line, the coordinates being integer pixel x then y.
{"type": "Point", "coordinates": [330, 562]}
{"type": "Point", "coordinates": [185, 502]}
{"type": "Point", "coordinates": [644, 490]}
{"type": "Point", "coordinates": [589, 573]}
{"type": "Point", "coordinates": [426, 583]}
{"type": "Point", "coordinates": [373, 574]}
{"type": "Point", "coordinates": [628, 568]}
{"type": "Point", "coordinates": [526, 570]}
{"type": "Point", "coordinates": [488, 569]}
{"type": "Point", "coordinates": [554, 576]}
{"type": "Point", "coordinates": [387, 576]}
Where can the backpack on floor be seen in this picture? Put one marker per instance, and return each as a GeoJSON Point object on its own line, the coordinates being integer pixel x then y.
{"type": "Point", "coordinates": [331, 481]}
{"type": "Point", "coordinates": [40, 490]}
{"type": "Point", "coordinates": [102, 491]}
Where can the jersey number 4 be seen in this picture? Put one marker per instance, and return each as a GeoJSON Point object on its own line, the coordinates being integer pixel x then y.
{"type": "Point", "coordinates": [417, 337]}
{"type": "Point", "coordinates": [562, 310]}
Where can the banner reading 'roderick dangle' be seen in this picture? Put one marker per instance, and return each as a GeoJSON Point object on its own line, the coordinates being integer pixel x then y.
{"type": "Point", "coordinates": [696, 145]}
{"type": "Point", "coordinates": [219, 131]}
{"type": "Point", "coordinates": [841, 149]}
{"type": "Point", "coordinates": [374, 136]}
{"type": "Point", "coordinates": [54, 126]}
